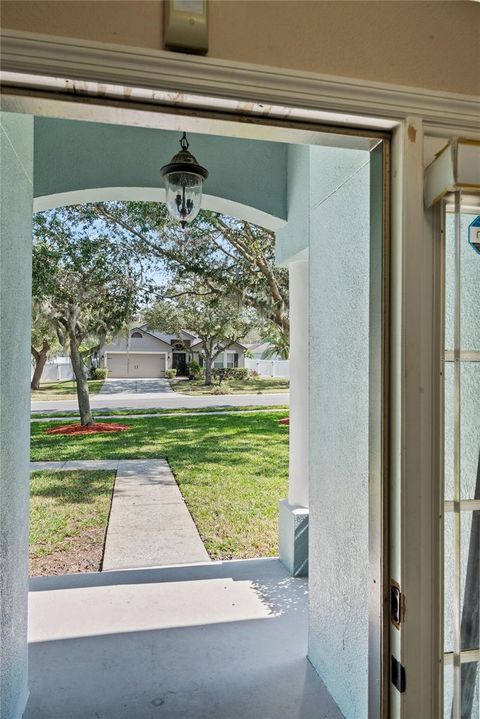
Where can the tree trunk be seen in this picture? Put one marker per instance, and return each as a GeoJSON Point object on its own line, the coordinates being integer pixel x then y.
{"type": "Point", "coordinates": [86, 418]}
{"type": "Point", "coordinates": [40, 357]}
{"type": "Point", "coordinates": [208, 371]}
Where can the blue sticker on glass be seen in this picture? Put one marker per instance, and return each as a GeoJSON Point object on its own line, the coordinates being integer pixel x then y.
{"type": "Point", "coordinates": [474, 234]}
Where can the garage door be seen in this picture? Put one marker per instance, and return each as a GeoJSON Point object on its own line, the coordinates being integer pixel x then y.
{"type": "Point", "coordinates": [136, 365]}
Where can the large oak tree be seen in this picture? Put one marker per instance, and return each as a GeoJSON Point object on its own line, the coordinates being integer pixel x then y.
{"type": "Point", "coordinates": [226, 255]}
{"type": "Point", "coordinates": [87, 285]}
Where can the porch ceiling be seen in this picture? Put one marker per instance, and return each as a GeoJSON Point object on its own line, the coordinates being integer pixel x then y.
{"type": "Point", "coordinates": [79, 162]}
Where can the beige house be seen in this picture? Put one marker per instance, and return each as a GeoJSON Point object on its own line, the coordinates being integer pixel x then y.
{"type": "Point", "coordinates": [147, 354]}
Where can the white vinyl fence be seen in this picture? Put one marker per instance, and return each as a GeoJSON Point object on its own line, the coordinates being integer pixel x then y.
{"type": "Point", "coordinates": [56, 370]}
{"type": "Point", "coordinates": [269, 368]}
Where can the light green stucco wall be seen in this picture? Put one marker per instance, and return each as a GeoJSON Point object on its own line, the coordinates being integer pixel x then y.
{"type": "Point", "coordinates": [338, 419]}
{"type": "Point", "coordinates": [15, 302]}
{"type": "Point", "coordinates": [328, 222]}
{"type": "Point", "coordinates": [294, 237]}
{"type": "Point", "coordinates": [313, 174]}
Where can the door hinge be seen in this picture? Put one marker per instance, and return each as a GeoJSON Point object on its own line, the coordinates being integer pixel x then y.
{"type": "Point", "coordinates": [399, 679]}
{"type": "Point", "coordinates": [397, 604]}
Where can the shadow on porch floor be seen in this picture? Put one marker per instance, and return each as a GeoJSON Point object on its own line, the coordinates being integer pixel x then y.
{"type": "Point", "coordinates": [224, 640]}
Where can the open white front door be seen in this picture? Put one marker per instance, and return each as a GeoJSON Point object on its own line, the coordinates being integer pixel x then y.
{"type": "Point", "coordinates": [460, 241]}
{"type": "Point", "coordinates": [434, 594]}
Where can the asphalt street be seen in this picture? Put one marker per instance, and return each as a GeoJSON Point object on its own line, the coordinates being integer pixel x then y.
{"type": "Point", "coordinates": [148, 394]}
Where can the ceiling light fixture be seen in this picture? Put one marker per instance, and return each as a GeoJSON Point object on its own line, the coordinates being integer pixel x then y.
{"type": "Point", "coordinates": [184, 179]}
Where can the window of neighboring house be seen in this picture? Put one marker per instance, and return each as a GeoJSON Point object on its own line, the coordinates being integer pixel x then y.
{"type": "Point", "coordinates": [232, 359]}
{"type": "Point", "coordinates": [137, 334]}
{"type": "Point", "coordinates": [218, 363]}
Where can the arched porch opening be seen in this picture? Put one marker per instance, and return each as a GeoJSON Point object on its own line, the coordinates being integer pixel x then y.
{"type": "Point", "coordinates": [294, 509]}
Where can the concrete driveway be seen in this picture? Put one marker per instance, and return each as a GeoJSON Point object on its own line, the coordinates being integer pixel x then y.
{"type": "Point", "coordinates": [135, 387]}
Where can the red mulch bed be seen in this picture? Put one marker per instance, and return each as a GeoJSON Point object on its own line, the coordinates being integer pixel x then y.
{"type": "Point", "coordinates": [284, 421]}
{"type": "Point", "coordinates": [95, 428]}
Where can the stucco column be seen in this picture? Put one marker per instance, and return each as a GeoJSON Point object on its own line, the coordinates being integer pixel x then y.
{"type": "Point", "coordinates": [298, 457]}
{"type": "Point", "coordinates": [16, 167]}
{"type": "Point", "coordinates": [294, 511]}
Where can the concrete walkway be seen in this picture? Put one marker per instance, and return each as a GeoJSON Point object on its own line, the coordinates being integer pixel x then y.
{"type": "Point", "coordinates": [223, 640]}
{"type": "Point", "coordinates": [149, 524]}
{"type": "Point", "coordinates": [88, 464]}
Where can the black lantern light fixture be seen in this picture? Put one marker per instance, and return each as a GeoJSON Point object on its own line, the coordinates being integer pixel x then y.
{"type": "Point", "coordinates": [184, 179]}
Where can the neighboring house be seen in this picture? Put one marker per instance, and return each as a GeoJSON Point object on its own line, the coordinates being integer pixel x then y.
{"type": "Point", "coordinates": [148, 353]}
{"type": "Point", "coordinates": [257, 351]}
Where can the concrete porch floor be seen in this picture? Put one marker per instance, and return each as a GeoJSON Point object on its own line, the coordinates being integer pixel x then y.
{"type": "Point", "coordinates": [223, 640]}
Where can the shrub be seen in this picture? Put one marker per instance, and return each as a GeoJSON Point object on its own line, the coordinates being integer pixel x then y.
{"type": "Point", "coordinates": [254, 374]}
{"type": "Point", "coordinates": [170, 373]}
{"type": "Point", "coordinates": [226, 373]}
{"type": "Point", "coordinates": [239, 372]}
{"type": "Point", "coordinates": [219, 390]}
{"type": "Point", "coordinates": [194, 370]}
{"type": "Point", "coordinates": [98, 372]}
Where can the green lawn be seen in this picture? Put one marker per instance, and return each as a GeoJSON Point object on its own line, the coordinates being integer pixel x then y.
{"type": "Point", "coordinates": [68, 518]}
{"type": "Point", "coordinates": [252, 385]}
{"type": "Point", "coordinates": [64, 390]}
{"type": "Point", "coordinates": [73, 414]}
{"type": "Point", "coordinates": [232, 470]}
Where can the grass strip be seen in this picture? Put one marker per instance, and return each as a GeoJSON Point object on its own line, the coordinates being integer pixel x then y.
{"type": "Point", "coordinates": [232, 470]}
{"type": "Point", "coordinates": [158, 412]}
{"type": "Point", "coordinates": [63, 390]}
{"type": "Point", "coordinates": [68, 519]}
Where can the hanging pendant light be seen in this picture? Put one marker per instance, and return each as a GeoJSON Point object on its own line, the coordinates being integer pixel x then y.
{"type": "Point", "coordinates": [184, 179]}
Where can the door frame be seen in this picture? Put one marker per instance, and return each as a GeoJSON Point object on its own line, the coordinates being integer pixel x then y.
{"type": "Point", "coordinates": [36, 69]}
{"type": "Point", "coordinates": [415, 552]}
{"type": "Point", "coordinates": [379, 440]}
